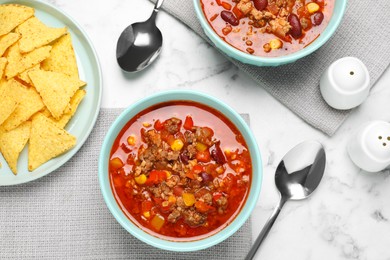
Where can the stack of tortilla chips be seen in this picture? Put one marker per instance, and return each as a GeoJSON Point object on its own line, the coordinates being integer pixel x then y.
{"type": "Point", "coordinates": [39, 87]}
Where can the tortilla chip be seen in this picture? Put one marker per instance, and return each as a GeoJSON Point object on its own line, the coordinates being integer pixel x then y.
{"type": "Point", "coordinates": [7, 40]}
{"type": "Point", "coordinates": [74, 103]}
{"type": "Point", "coordinates": [11, 15]}
{"type": "Point", "coordinates": [29, 102]}
{"type": "Point", "coordinates": [7, 102]}
{"type": "Point", "coordinates": [3, 62]}
{"type": "Point", "coordinates": [47, 141]}
{"type": "Point", "coordinates": [62, 57]}
{"type": "Point", "coordinates": [24, 75]}
{"type": "Point", "coordinates": [13, 142]}
{"type": "Point", "coordinates": [35, 34]}
{"type": "Point", "coordinates": [17, 63]}
{"type": "Point", "coordinates": [56, 89]}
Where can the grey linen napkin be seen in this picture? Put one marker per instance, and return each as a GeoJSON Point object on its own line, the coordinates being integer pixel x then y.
{"type": "Point", "coordinates": [363, 33]}
{"type": "Point", "coordinates": [63, 216]}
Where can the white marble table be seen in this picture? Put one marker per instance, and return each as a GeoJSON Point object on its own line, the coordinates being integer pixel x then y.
{"type": "Point", "coordinates": [348, 217]}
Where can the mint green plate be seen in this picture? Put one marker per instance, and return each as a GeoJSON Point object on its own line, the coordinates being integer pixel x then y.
{"type": "Point", "coordinates": [83, 121]}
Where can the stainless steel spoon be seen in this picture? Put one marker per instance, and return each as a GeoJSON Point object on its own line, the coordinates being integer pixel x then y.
{"type": "Point", "coordinates": [297, 176]}
{"type": "Point", "coordinates": [140, 43]}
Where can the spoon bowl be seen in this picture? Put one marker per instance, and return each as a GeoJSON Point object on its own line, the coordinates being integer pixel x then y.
{"type": "Point", "coordinates": [298, 174]}
{"type": "Point", "coordinates": [140, 44]}
{"type": "Point", "coordinates": [300, 171]}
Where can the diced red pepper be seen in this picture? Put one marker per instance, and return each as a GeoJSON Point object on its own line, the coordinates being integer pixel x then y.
{"type": "Point", "coordinates": [191, 175]}
{"type": "Point", "coordinates": [158, 125]}
{"type": "Point", "coordinates": [146, 205]}
{"type": "Point", "coordinates": [202, 207]}
{"type": "Point", "coordinates": [156, 177]}
{"type": "Point", "coordinates": [226, 6]}
{"type": "Point", "coordinates": [170, 139]}
{"type": "Point", "coordinates": [216, 196]}
{"type": "Point", "coordinates": [203, 156]}
{"type": "Point", "coordinates": [178, 190]}
{"type": "Point", "coordinates": [188, 123]}
{"type": "Point", "coordinates": [237, 12]}
{"type": "Point", "coordinates": [197, 169]}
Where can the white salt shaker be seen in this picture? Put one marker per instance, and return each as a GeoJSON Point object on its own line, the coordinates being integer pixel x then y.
{"type": "Point", "coordinates": [346, 83]}
{"type": "Point", "coordinates": [369, 149]}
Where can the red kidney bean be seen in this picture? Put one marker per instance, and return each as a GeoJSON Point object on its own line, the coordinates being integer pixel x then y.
{"type": "Point", "coordinates": [184, 157]}
{"type": "Point", "coordinates": [229, 18]}
{"type": "Point", "coordinates": [217, 154]}
{"type": "Point", "coordinates": [318, 18]}
{"type": "Point", "coordinates": [260, 4]}
{"type": "Point", "coordinates": [206, 178]}
{"type": "Point", "coordinates": [296, 28]}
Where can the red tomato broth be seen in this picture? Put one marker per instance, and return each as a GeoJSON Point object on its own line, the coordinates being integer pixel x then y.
{"type": "Point", "coordinates": [245, 35]}
{"type": "Point", "coordinates": [224, 131]}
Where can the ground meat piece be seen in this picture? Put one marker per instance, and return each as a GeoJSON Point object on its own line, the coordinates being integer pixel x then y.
{"type": "Point", "coordinates": [256, 14]}
{"type": "Point", "coordinates": [207, 198]}
{"type": "Point", "coordinates": [281, 3]}
{"type": "Point", "coordinates": [177, 167]}
{"type": "Point", "coordinates": [189, 136]}
{"type": "Point", "coordinates": [280, 27]}
{"type": "Point", "coordinates": [165, 188]}
{"type": "Point", "coordinates": [173, 217]}
{"type": "Point", "coordinates": [180, 202]}
{"type": "Point", "coordinates": [172, 125]}
{"type": "Point", "coordinates": [222, 204]}
{"type": "Point", "coordinates": [222, 201]}
{"type": "Point", "coordinates": [172, 181]}
{"type": "Point", "coordinates": [194, 218]}
{"type": "Point", "coordinates": [152, 137]}
{"type": "Point", "coordinates": [204, 135]}
{"type": "Point", "coordinates": [216, 182]}
{"type": "Point", "coordinates": [284, 12]}
{"type": "Point", "coordinates": [305, 23]}
{"type": "Point", "coordinates": [195, 184]}
{"type": "Point", "coordinates": [245, 6]}
{"type": "Point", "coordinates": [156, 190]}
{"type": "Point", "coordinates": [191, 151]}
{"type": "Point", "coordinates": [173, 155]}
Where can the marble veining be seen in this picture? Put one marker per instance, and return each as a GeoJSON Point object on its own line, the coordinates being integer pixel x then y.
{"type": "Point", "coordinates": [346, 218]}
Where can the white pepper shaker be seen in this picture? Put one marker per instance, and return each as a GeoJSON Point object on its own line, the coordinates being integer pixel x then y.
{"type": "Point", "coordinates": [369, 149]}
{"type": "Point", "coordinates": [346, 83]}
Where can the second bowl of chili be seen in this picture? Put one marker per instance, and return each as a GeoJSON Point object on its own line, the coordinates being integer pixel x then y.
{"type": "Point", "coordinates": [180, 170]}
{"type": "Point", "coordinates": [269, 32]}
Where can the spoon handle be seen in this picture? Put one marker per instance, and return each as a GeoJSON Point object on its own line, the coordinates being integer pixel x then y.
{"type": "Point", "coordinates": [158, 4]}
{"type": "Point", "coordinates": [264, 232]}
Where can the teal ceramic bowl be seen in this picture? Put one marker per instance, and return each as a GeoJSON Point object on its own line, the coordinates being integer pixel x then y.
{"type": "Point", "coordinates": [229, 50]}
{"type": "Point", "coordinates": [139, 233]}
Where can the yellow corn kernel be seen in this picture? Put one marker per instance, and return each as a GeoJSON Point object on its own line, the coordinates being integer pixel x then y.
{"type": "Point", "coordinates": [169, 174]}
{"type": "Point", "coordinates": [312, 7]}
{"type": "Point", "coordinates": [220, 170]}
{"type": "Point", "coordinates": [157, 222]}
{"type": "Point", "coordinates": [177, 145]}
{"type": "Point", "coordinates": [131, 140]}
{"type": "Point", "coordinates": [165, 204]}
{"type": "Point", "coordinates": [275, 44]}
{"type": "Point", "coordinates": [172, 199]}
{"type": "Point", "coordinates": [141, 179]}
{"type": "Point", "coordinates": [189, 199]}
{"type": "Point", "coordinates": [146, 124]}
{"type": "Point", "coordinates": [200, 147]}
{"type": "Point", "coordinates": [147, 214]}
{"type": "Point", "coordinates": [116, 163]}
